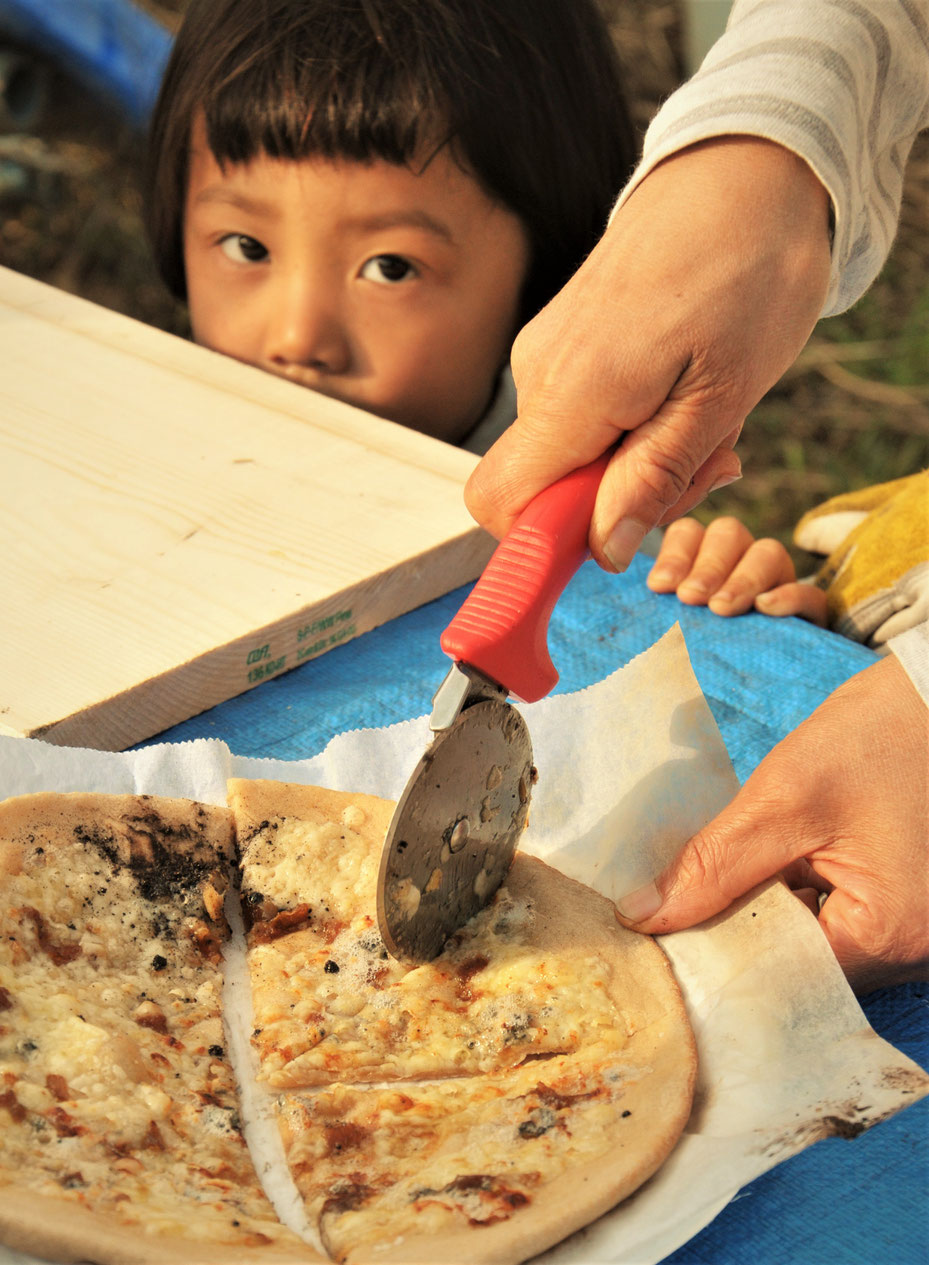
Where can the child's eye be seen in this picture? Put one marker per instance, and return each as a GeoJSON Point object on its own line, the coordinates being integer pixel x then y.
{"type": "Point", "coordinates": [242, 249]}
{"type": "Point", "coordinates": [388, 269]}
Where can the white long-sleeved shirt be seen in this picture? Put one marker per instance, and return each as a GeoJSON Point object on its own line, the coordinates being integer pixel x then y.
{"type": "Point", "coordinates": [912, 650]}
{"type": "Point", "coordinates": [842, 83]}
{"type": "Point", "coordinates": [845, 85]}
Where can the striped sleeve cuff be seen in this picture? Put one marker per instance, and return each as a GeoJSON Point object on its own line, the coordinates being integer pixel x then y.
{"type": "Point", "coordinates": [843, 84]}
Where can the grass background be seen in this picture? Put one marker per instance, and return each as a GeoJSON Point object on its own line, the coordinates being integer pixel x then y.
{"type": "Point", "coordinates": [853, 410]}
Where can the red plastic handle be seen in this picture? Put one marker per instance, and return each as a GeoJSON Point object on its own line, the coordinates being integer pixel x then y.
{"type": "Point", "coordinates": [502, 626]}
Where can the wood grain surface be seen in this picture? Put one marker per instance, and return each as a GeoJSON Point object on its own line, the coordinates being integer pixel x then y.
{"type": "Point", "coordinates": [176, 527]}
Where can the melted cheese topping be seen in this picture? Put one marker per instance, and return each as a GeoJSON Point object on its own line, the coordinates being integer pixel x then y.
{"type": "Point", "coordinates": [330, 1003]}
{"type": "Point", "coordinates": [326, 863]}
{"type": "Point", "coordinates": [451, 1094]}
{"type": "Point", "coordinates": [381, 1163]}
{"type": "Point", "coordinates": [115, 1092]}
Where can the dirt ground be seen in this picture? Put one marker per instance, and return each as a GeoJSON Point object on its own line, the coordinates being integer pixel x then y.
{"type": "Point", "coordinates": [854, 410]}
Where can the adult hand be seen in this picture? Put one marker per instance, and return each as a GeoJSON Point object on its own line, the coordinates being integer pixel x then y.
{"type": "Point", "coordinates": [838, 807]}
{"type": "Point", "coordinates": [724, 567]}
{"type": "Point", "coordinates": [700, 294]}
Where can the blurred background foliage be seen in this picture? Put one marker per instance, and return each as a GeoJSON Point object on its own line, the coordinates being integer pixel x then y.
{"type": "Point", "coordinates": [853, 410]}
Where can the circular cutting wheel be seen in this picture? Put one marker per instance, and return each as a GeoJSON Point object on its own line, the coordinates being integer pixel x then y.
{"type": "Point", "coordinates": [455, 829]}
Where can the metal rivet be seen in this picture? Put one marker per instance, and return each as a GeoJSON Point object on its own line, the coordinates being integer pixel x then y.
{"type": "Point", "coordinates": [459, 836]}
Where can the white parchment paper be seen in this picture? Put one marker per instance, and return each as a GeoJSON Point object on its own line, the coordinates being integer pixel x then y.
{"type": "Point", "coordinates": [629, 769]}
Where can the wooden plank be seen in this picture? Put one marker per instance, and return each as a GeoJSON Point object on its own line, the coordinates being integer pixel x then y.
{"type": "Point", "coordinates": [176, 527]}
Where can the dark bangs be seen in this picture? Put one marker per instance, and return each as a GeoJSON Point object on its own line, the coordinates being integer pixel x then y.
{"type": "Point", "coordinates": [360, 81]}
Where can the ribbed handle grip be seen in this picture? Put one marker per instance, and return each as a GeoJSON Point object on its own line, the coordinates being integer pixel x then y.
{"type": "Point", "coordinates": [502, 626]}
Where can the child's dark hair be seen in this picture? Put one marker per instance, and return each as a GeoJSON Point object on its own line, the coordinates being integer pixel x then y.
{"type": "Point", "coordinates": [527, 92]}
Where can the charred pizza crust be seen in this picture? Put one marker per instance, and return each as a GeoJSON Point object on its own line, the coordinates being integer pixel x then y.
{"type": "Point", "coordinates": [121, 1134]}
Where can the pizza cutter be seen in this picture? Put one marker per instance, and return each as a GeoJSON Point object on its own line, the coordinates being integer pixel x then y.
{"type": "Point", "coordinates": [457, 824]}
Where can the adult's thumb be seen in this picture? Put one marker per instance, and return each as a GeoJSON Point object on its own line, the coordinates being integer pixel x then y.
{"type": "Point", "coordinates": [727, 858]}
{"type": "Point", "coordinates": [527, 458]}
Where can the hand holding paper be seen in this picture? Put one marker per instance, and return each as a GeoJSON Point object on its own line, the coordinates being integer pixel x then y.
{"type": "Point", "coordinates": [840, 808]}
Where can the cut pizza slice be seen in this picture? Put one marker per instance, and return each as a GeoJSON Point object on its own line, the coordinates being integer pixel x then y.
{"type": "Point", "coordinates": [120, 1125]}
{"type": "Point", "coordinates": [488, 1168]}
{"type": "Point", "coordinates": [531, 1077]}
{"type": "Point", "coordinates": [516, 983]}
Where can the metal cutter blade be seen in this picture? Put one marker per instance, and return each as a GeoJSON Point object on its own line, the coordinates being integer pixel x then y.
{"type": "Point", "coordinates": [457, 825]}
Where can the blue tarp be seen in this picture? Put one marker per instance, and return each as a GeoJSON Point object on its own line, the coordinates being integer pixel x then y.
{"type": "Point", "coordinates": [848, 1203]}
{"type": "Point", "coordinates": [110, 46]}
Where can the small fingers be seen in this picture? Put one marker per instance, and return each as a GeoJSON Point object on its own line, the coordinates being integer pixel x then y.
{"type": "Point", "coordinates": [712, 554]}
{"type": "Point", "coordinates": [805, 600]}
{"type": "Point", "coordinates": [679, 548]}
{"type": "Point", "coordinates": [725, 543]}
{"type": "Point", "coordinates": [722, 567]}
{"type": "Point", "coordinates": [765, 565]}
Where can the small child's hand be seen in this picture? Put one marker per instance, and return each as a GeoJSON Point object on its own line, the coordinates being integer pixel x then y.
{"type": "Point", "coordinates": [723, 567]}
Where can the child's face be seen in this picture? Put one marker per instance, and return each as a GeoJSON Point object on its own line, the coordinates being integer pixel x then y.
{"type": "Point", "coordinates": [394, 291]}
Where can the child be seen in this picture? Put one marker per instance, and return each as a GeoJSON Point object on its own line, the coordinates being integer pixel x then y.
{"type": "Point", "coordinates": [370, 198]}
{"type": "Point", "coordinates": [873, 584]}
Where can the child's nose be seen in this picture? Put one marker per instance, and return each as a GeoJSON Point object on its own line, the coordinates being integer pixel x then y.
{"type": "Point", "coordinates": [304, 330]}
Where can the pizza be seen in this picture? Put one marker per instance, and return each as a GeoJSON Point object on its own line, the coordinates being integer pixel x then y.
{"type": "Point", "coordinates": [331, 1004]}
{"type": "Point", "coordinates": [121, 1136]}
{"type": "Point", "coordinates": [476, 1108]}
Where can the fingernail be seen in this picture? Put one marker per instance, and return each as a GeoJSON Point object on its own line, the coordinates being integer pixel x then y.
{"type": "Point", "coordinates": [697, 587]}
{"type": "Point", "coordinates": [660, 575]}
{"type": "Point", "coordinates": [766, 601]}
{"type": "Point", "coordinates": [623, 541]}
{"type": "Point", "coordinates": [640, 904]}
{"type": "Point", "coordinates": [724, 482]}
